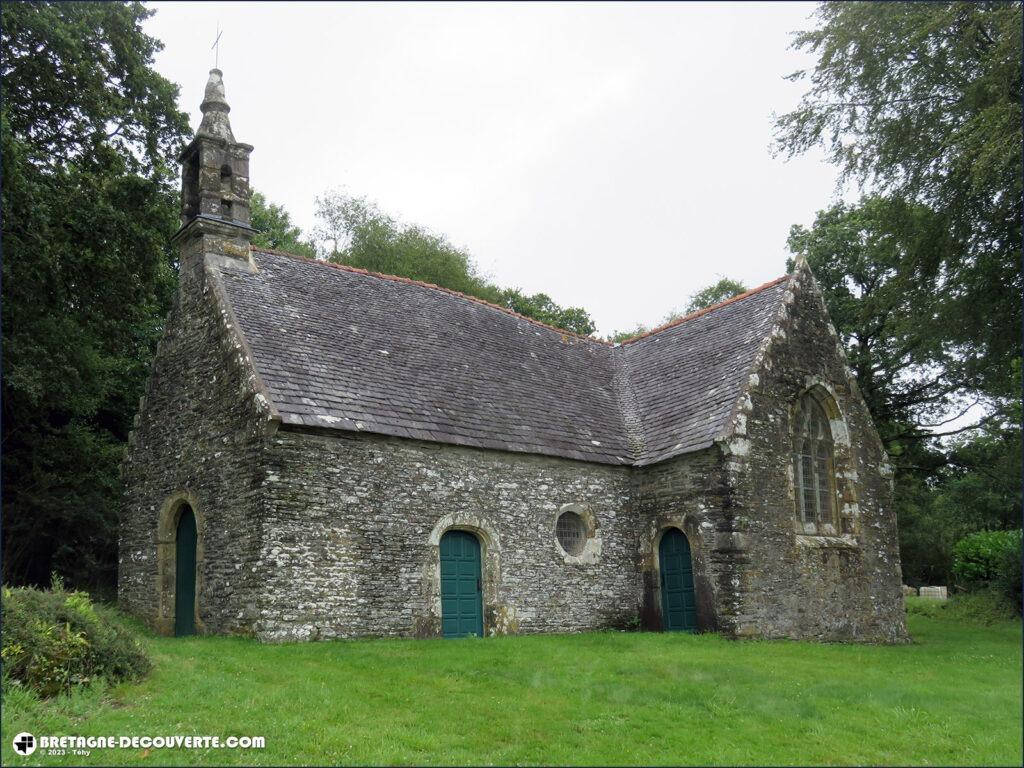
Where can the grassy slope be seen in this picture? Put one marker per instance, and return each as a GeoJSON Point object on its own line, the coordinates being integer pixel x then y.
{"type": "Point", "coordinates": [953, 697]}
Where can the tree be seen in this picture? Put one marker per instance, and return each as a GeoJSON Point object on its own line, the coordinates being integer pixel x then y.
{"type": "Point", "coordinates": [885, 314]}
{"type": "Point", "coordinates": [88, 206]}
{"type": "Point", "coordinates": [922, 101]}
{"type": "Point", "coordinates": [706, 297]}
{"type": "Point", "coordinates": [540, 307]}
{"type": "Point", "coordinates": [976, 487]}
{"type": "Point", "coordinates": [617, 337]}
{"type": "Point", "coordinates": [911, 382]}
{"type": "Point", "coordinates": [276, 230]}
{"type": "Point", "coordinates": [721, 291]}
{"type": "Point", "coordinates": [353, 231]}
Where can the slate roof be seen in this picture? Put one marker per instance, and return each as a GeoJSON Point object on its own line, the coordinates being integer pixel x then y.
{"type": "Point", "coordinates": [344, 349]}
{"type": "Point", "coordinates": [686, 377]}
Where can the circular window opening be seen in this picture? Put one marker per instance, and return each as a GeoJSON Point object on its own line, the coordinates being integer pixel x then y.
{"type": "Point", "coordinates": [571, 532]}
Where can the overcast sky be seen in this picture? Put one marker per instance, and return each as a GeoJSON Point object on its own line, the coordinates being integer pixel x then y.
{"type": "Point", "coordinates": [616, 157]}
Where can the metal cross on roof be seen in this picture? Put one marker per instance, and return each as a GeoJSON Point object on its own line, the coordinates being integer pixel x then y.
{"type": "Point", "coordinates": [216, 48]}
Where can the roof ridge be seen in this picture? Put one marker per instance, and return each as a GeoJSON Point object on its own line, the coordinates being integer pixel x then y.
{"type": "Point", "coordinates": [422, 284]}
{"type": "Point", "coordinates": [699, 312]}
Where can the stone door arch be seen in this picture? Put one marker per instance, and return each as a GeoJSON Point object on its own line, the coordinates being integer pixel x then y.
{"type": "Point", "coordinates": [495, 620]}
{"type": "Point", "coordinates": [172, 512]}
{"type": "Point", "coordinates": [699, 537]}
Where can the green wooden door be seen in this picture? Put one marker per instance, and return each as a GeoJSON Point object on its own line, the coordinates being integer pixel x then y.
{"type": "Point", "coordinates": [185, 575]}
{"type": "Point", "coordinates": [461, 600]}
{"type": "Point", "coordinates": [678, 603]}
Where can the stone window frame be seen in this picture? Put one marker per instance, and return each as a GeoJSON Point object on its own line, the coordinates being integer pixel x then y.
{"type": "Point", "coordinates": [846, 512]}
{"type": "Point", "coordinates": [814, 462]}
{"type": "Point", "coordinates": [490, 567]}
{"type": "Point", "coordinates": [591, 551]}
{"type": "Point", "coordinates": [166, 559]}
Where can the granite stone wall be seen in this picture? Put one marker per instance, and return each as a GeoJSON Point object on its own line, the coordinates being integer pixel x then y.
{"type": "Point", "coordinates": [198, 439]}
{"type": "Point", "coordinates": [307, 534]}
{"type": "Point", "coordinates": [352, 524]}
{"type": "Point", "coordinates": [838, 581]}
{"type": "Point", "coordinates": [688, 493]}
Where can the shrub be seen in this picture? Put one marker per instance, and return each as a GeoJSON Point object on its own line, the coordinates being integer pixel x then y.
{"type": "Point", "coordinates": [54, 640]}
{"type": "Point", "coordinates": [981, 558]}
{"type": "Point", "coordinates": [1008, 579]}
{"type": "Point", "coordinates": [986, 605]}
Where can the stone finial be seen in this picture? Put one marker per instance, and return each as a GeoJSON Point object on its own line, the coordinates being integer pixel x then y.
{"type": "Point", "coordinates": [215, 193]}
{"type": "Point", "coordinates": [215, 109]}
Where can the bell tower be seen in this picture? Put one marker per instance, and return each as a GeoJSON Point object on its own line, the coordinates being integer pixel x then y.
{"type": "Point", "coordinates": [215, 189]}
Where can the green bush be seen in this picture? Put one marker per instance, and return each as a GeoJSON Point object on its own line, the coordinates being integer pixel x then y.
{"type": "Point", "coordinates": [1008, 579]}
{"type": "Point", "coordinates": [55, 640]}
{"type": "Point", "coordinates": [986, 605]}
{"type": "Point", "coordinates": [982, 557]}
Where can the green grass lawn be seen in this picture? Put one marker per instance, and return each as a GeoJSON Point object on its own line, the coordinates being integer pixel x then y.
{"type": "Point", "coordinates": [952, 697]}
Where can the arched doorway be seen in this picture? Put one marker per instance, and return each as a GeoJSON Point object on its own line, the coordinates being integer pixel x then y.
{"type": "Point", "coordinates": [678, 599]}
{"type": "Point", "coordinates": [185, 540]}
{"type": "Point", "coordinates": [461, 594]}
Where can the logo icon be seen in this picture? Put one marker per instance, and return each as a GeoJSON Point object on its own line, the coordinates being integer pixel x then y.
{"type": "Point", "coordinates": [25, 744]}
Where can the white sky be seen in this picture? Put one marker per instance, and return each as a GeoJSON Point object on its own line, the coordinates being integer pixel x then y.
{"type": "Point", "coordinates": [613, 156]}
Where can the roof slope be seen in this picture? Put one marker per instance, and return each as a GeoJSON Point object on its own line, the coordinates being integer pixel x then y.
{"type": "Point", "coordinates": [343, 349]}
{"type": "Point", "coordinates": [687, 377]}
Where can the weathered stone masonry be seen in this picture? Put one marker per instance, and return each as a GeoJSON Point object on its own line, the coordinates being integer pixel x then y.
{"type": "Point", "coordinates": [352, 527]}
{"type": "Point", "coordinates": [199, 434]}
{"type": "Point", "coordinates": [688, 493]}
{"type": "Point", "coordinates": [327, 427]}
{"type": "Point", "coordinates": [198, 439]}
{"type": "Point", "coordinates": [842, 582]}
{"type": "Point", "coordinates": [320, 535]}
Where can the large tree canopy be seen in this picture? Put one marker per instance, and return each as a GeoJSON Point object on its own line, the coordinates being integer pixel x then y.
{"type": "Point", "coordinates": [88, 204]}
{"type": "Point", "coordinates": [78, 79]}
{"type": "Point", "coordinates": [922, 102]}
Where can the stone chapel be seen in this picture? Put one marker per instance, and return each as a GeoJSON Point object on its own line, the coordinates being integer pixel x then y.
{"type": "Point", "coordinates": [323, 452]}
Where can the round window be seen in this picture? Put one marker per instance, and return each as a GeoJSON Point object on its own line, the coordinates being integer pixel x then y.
{"type": "Point", "coordinates": [571, 532]}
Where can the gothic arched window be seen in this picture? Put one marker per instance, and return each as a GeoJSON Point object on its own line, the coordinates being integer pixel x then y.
{"type": "Point", "coordinates": [813, 463]}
